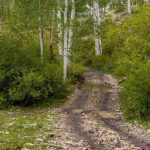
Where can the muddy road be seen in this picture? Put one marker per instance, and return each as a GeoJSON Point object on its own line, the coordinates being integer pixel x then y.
{"type": "Point", "coordinates": [93, 121]}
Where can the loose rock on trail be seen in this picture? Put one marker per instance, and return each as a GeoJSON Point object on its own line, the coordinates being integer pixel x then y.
{"type": "Point", "coordinates": [92, 120]}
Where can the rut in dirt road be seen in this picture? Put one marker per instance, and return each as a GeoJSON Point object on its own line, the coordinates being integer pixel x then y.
{"type": "Point", "coordinates": [93, 120]}
{"type": "Point", "coordinates": [74, 112]}
{"type": "Point", "coordinates": [137, 136]}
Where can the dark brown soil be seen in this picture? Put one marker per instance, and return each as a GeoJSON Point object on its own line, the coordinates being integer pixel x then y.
{"type": "Point", "coordinates": [74, 119]}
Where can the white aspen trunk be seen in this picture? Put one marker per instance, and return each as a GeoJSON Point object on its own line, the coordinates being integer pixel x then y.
{"type": "Point", "coordinates": [96, 17]}
{"type": "Point", "coordinates": [65, 40]}
{"type": "Point", "coordinates": [41, 42]}
{"type": "Point", "coordinates": [129, 7]}
{"type": "Point", "coordinates": [41, 34]}
{"type": "Point", "coordinates": [72, 17]}
{"type": "Point", "coordinates": [60, 44]}
{"type": "Point", "coordinates": [98, 22]}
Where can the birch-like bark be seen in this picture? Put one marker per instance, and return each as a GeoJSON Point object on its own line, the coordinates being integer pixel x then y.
{"type": "Point", "coordinates": [147, 1]}
{"type": "Point", "coordinates": [96, 17]}
{"type": "Point", "coordinates": [41, 42]}
{"type": "Point", "coordinates": [129, 7]}
{"type": "Point", "coordinates": [41, 34]}
{"type": "Point", "coordinates": [60, 44]}
{"type": "Point", "coordinates": [65, 40]}
{"type": "Point", "coordinates": [72, 17]}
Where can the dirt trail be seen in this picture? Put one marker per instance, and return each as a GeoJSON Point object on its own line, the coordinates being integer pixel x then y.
{"type": "Point", "coordinates": [93, 120]}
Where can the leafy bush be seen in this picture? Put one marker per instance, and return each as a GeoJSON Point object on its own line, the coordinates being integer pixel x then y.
{"type": "Point", "coordinates": [76, 72]}
{"type": "Point", "coordinates": [53, 78]}
{"type": "Point", "coordinates": [24, 80]}
{"type": "Point", "coordinates": [24, 87]}
{"type": "Point", "coordinates": [102, 63]}
{"type": "Point", "coordinates": [136, 93]}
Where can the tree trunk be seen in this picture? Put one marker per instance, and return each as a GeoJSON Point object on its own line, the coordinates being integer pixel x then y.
{"type": "Point", "coordinates": [60, 44]}
{"type": "Point", "coordinates": [41, 42]}
{"type": "Point", "coordinates": [96, 17]}
{"type": "Point", "coordinates": [129, 7]}
{"type": "Point", "coordinates": [41, 33]}
{"type": "Point", "coordinates": [65, 40]}
{"type": "Point", "coordinates": [147, 1]}
{"type": "Point", "coordinates": [71, 27]}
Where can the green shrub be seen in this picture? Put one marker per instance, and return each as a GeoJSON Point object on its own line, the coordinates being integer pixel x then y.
{"type": "Point", "coordinates": [102, 63]}
{"type": "Point", "coordinates": [25, 87]}
{"type": "Point", "coordinates": [33, 86]}
{"type": "Point", "coordinates": [135, 96]}
{"type": "Point", "coordinates": [76, 73]}
{"type": "Point", "coordinates": [24, 80]}
{"type": "Point", "coordinates": [53, 80]}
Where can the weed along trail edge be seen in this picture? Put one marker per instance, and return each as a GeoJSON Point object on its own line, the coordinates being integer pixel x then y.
{"type": "Point", "coordinates": [92, 120]}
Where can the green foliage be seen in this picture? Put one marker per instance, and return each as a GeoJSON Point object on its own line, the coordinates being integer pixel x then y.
{"type": "Point", "coordinates": [76, 72]}
{"type": "Point", "coordinates": [27, 15]}
{"type": "Point", "coordinates": [27, 86]}
{"type": "Point", "coordinates": [24, 80]}
{"type": "Point", "coordinates": [136, 95]}
{"type": "Point", "coordinates": [119, 6]}
{"type": "Point", "coordinates": [102, 63]}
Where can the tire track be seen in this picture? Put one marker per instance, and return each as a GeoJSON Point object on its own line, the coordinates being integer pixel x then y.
{"type": "Point", "coordinates": [74, 120]}
{"type": "Point", "coordinates": [118, 125]}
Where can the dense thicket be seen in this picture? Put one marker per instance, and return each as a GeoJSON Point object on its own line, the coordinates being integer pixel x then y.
{"type": "Point", "coordinates": [23, 78]}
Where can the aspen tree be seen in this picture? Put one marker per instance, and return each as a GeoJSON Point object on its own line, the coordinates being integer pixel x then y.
{"type": "Point", "coordinates": [65, 40]}
{"type": "Point", "coordinates": [41, 34]}
{"type": "Point", "coordinates": [59, 28]}
{"type": "Point", "coordinates": [96, 18]}
{"type": "Point", "coordinates": [72, 17]}
{"type": "Point", "coordinates": [129, 7]}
